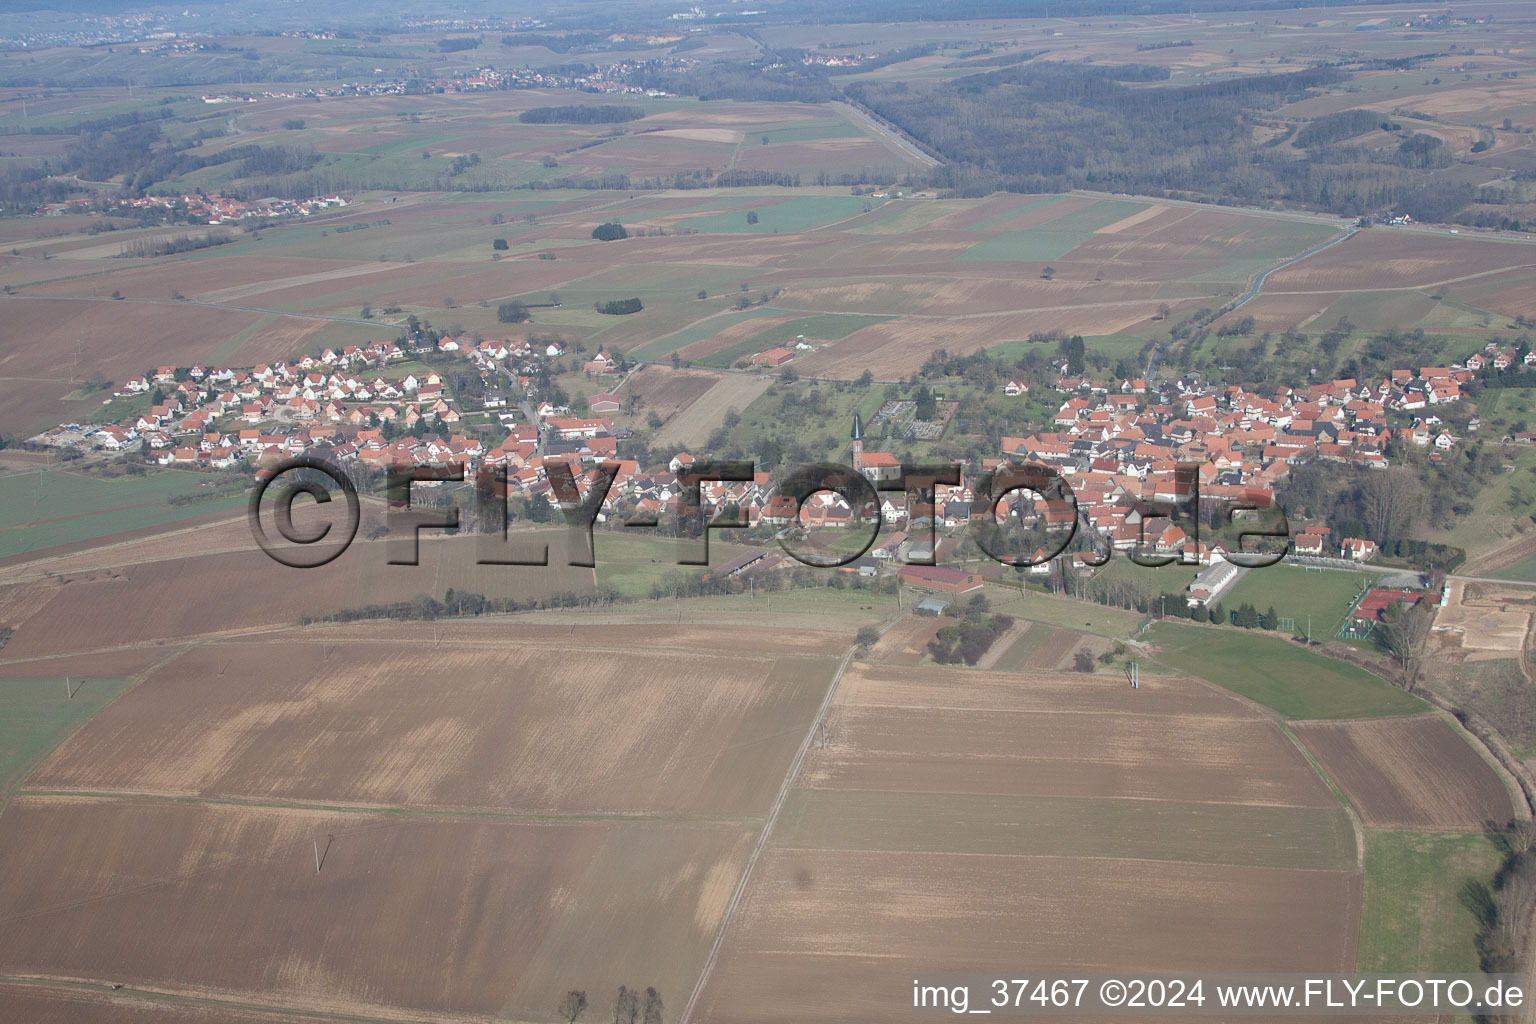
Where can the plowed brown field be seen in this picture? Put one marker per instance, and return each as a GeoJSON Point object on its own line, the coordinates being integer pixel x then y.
{"type": "Point", "coordinates": [1409, 773]}
{"type": "Point", "coordinates": [438, 916]}
{"type": "Point", "coordinates": [1066, 812]}
{"type": "Point", "coordinates": [511, 727]}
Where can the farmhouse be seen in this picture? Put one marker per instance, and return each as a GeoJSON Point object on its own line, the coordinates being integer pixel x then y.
{"type": "Point", "coordinates": [772, 357]}
{"type": "Point", "coordinates": [939, 579]}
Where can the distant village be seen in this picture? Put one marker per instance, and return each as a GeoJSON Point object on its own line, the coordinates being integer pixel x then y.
{"type": "Point", "coordinates": [1117, 443]}
{"type": "Point", "coordinates": [198, 208]}
{"type": "Point", "coordinates": [612, 78]}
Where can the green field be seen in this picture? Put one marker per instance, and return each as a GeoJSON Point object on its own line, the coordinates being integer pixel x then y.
{"type": "Point", "coordinates": [36, 716]}
{"type": "Point", "coordinates": [801, 213]}
{"type": "Point", "coordinates": [1034, 246]}
{"type": "Point", "coordinates": [1295, 593]}
{"type": "Point", "coordinates": [1413, 919]}
{"type": "Point", "coordinates": [1115, 623]}
{"type": "Point", "coordinates": [1279, 674]}
{"type": "Point", "coordinates": [42, 509]}
{"type": "Point", "coordinates": [669, 343]}
{"type": "Point", "coordinates": [1525, 569]}
{"type": "Point", "coordinates": [631, 562]}
{"type": "Point", "coordinates": [1283, 837]}
{"type": "Point", "coordinates": [998, 220]}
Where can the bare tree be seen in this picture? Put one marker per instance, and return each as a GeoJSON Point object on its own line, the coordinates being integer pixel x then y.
{"type": "Point", "coordinates": [572, 1006]}
{"type": "Point", "coordinates": [626, 1006]}
{"type": "Point", "coordinates": [1390, 501]}
{"type": "Point", "coordinates": [1404, 630]}
{"type": "Point", "coordinates": [652, 1007]}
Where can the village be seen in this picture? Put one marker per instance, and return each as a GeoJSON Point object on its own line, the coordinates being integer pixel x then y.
{"type": "Point", "coordinates": [613, 78]}
{"type": "Point", "coordinates": [1118, 445]}
{"type": "Point", "coordinates": [197, 208]}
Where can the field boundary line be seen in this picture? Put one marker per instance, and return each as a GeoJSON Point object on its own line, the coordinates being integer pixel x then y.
{"type": "Point", "coordinates": [133, 684]}
{"type": "Point", "coordinates": [1355, 823]}
{"type": "Point", "coordinates": [450, 813]}
{"type": "Point", "coordinates": [173, 997]}
{"type": "Point", "coordinates": [762, 839]}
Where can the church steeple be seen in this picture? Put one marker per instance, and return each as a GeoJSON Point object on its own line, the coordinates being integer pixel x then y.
{"type": "Point", "coordinates": [858, 443]}
{"type": "Point", "coordinates": [858, 428]}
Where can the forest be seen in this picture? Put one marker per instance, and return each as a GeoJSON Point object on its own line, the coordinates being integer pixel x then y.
{"type": "Point", "coordinates": [1051, 127]}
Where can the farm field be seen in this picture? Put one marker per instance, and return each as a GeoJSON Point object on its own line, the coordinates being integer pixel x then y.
{"type": "Point", "coordinates": [1413, 916]}
{"type": "Point", "coordinates": [37, 714]}
{"type": "Point", "coordinates": [597, 829]}
{"type": "Point", "coordinates": [1410, 774]}
{"type": "Point", "coordinates": [631, 563]}
{"type": "Point", "coordinates": [48, 508]}
{"type": "Point", "coordinates": [522, 727]}
{"type": "Point", "coordinates": [194, 595]}
{"type": "Point", "coordinates": [1279, 674]}
{"type": "Point", "coordinates": [510, 783]}
{"type": "Point", "coordinates": [931, 790]}
{"type": "Point", "coordinates": [301, 287]}
{"type": "Point", "coordinates": [692, 426]}
{"type": "Point", "coordinates": [150, 883]}
{"type": "Point", "coordinates": [1041, 649]}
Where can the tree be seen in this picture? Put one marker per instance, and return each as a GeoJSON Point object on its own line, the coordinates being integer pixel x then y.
{"type": "Point", "coordinates": [367, 312]}
{"type": "Point", "coordinates": [619, 307]}
{"type": "Point", "coordinates": [1247, 615]}
{"type": "Point", "coordinates": [1391, 501]}
{"type": "Point", "coordinates": [1219, 615]}
{"type": "Point", "coordinates": [609, 231]}
{"type": "Point", "coordinates": [751, 216]}
{"type": "Point", "coordinates": [1164, 311]}
{"type": "Point", "coordinates": [1403, 630]}
{"type": "Point", "coordinates": [626, 1006]}
{"type": "Point", "coordinates": [866, 378]}
{"type": "Point", "coordinates": [703, 294]}
{"type": "Point", "coordinates": [1049, 272]}
{"type": "Point", "coordinates": [867, 636]}
{"type": "Point", "coordinates": [538, 509]}
{"type": "Point", "coordinates": [1082, 661]}
{"type": "Point", "coordinates": [512, 312]}
{"type": "Point", "coordinates": [1077, 352]}
{"type": "Point", "coordinates": [652, 1014]}
{"type": "Point", "coordinates": [927, 405]}
{"type": "Point", "coordinates": [499, 243]}
{"type": "Point", "coordinates": [1271, 618]}
{"type": "Point", "coordinates": [572, 1006]}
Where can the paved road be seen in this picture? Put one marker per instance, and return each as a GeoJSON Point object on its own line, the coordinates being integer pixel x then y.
{"type": "Point", "coordinates": [1258, 282]}
{"type": "Point", "coordinates": [1338, 565]}
{"type": "Point", "coordinates": [887, 131]}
